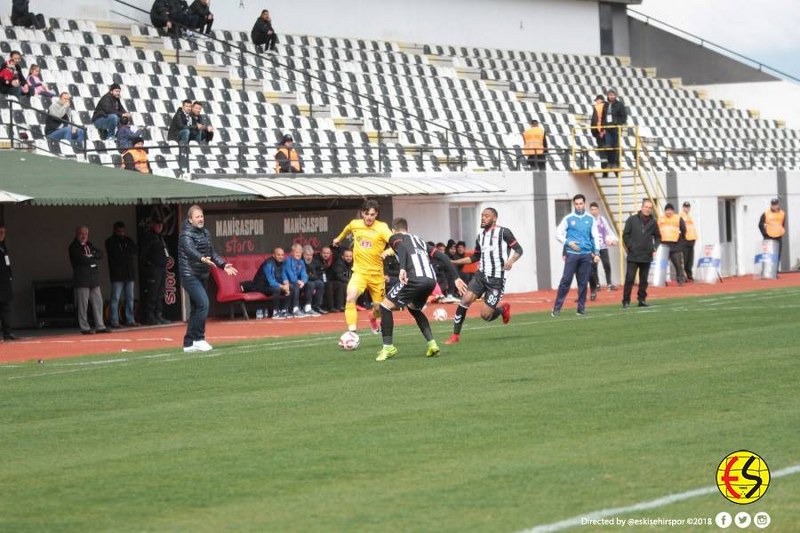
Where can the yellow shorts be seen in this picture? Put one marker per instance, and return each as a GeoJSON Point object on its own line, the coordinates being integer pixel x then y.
{"type": "Point", "coordinates": [375, 284]}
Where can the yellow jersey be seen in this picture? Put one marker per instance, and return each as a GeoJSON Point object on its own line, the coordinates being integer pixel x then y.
{"type": "Point", "coordinates": [369, 242]}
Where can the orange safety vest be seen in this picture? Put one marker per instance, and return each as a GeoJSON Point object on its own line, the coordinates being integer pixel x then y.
{"type": "Point", "coordinates": [598, 108]}
{"type": "Point", "coordinates": [139, 159]}
{"type": "Point", "coordinates": [773, 222]}
{"type": "Point", "coordinates": [291, 154]}
{"type": "Point", "coordinates": [670, 228]}
{"type": "Point", "coordinates": [691, 233]}
{"type": "Point", "coordinates": [534, 141]}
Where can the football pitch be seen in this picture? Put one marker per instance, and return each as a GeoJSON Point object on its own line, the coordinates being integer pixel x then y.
{"type": "Point", "coordinates": [540, 422]}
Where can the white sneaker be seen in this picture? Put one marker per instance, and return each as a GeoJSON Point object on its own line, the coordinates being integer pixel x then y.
{"type": "Point", "coordinates": [202, 346]}
{"type": "Point", "coordinates": [191, 349]}
{"type": "Point", "coordinates": [307, 309]}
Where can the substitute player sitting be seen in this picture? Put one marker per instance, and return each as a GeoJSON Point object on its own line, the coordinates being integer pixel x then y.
{"type": "Point", "coordinates": [493, 249]}
{"type": "Point", "coordinates": [417, 281]}
{"type": "Point", "coordinates": [370, 237]}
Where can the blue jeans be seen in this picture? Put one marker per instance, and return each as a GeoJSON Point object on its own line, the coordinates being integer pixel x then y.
{"type": "Point", "coordinates": [198, 309]}
{"type": "Point", "coordinates": [183, 136]}
{"type": "Point", "coordinates": [116, 292]}
{"type": "Point", "coordinates": [576, 265]}
{"type": "Point", "coordinates": [108, 123]}
{"type": "Point", "coordinates": [65, 134]}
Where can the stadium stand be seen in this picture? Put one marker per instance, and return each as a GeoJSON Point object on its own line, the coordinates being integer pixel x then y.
{"type": "Point", "coordinates": [357, 106]}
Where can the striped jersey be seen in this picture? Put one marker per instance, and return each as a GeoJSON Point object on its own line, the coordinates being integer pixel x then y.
{"type": "Point", "coordinates": [493, 248]}
{"type": "Point", "coordinates": [414, 255]}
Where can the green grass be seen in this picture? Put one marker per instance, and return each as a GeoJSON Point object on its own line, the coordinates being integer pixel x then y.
{"type": "Point", "coordinates": [520, 425]}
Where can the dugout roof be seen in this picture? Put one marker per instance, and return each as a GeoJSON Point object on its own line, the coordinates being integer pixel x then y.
{"type": "Point", "coordinates": [274, 188]}
{"type": "Point", "coordinates": [53, 181]}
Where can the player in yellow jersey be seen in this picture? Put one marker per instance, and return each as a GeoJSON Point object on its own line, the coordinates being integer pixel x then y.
{"type": "Point", "coordinates": [370, 237]}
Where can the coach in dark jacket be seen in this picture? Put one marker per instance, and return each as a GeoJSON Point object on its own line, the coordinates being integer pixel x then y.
{"type": "Point", "coordinates": [614, 114]}
{"type": "Point", "coordinates": [85, 259]}
{"type": "Point", "coordinates": [195, 255]}
{"type": "Point", "coordinates": [640, 238]}
{"type": "Point", "coordinates": [108, 112]}
{"type": "Point", "coordinates": [6, 291]}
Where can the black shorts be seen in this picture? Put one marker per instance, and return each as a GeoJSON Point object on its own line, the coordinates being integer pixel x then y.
{"type": "Point", "coordinates": [414, 293]}
{"type": "Point", "coordinates": [490, 288]}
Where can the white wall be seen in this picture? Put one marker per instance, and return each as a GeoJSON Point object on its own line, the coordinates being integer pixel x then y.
{"type": "Point", "coordinates": [775, 100]}
{"type": "Point", "coordinates": [793, 217]}
{"type": "Point", "coordinates": [540, 25]}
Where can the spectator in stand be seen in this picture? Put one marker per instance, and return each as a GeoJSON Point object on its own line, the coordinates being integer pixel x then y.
{"type": "Point", "coordinates": [58, 125]}
{"type": "Point", "coordinates": [22, 16]}
{"type": "Point", "coordinates": [263, 35]}
{"type": "Point", "coordinates": [154, 257]}
{"type": "Point", "coordinates": [84, 258]}
{"type": "Point", "coordinates": [125, 134]}
{"type": "Point", "coordinates": [108, 112]}
{"type": "Point", "coordinates": [201, 125]}
{"type": "Point", "coordinates": [12, 81]}
{"type": "Point", "coordinates": [286, 158]}
{"type": "Point", "coordinates": [180, 127]}
{"type": "Point", "coordinates": [315, 286]}
{"type": "Point", "coordinates": [37, 86]}
{"type": "Point", "coordinates": [270, 279]}
{"type": "Point", "coordinates": [183, 19]}
{"type": "Point", "coordinates": [135, 158]}
{"type": "Point", "coordinates": [535, 140]}
{"type": "Point", "coordinates": [122, 252]}
{"type": "Point", "coordinates": [296, 275]}
{"type": "Point", "coordinates": [6, 290]}
{"type": "Point", "coordinates": [339, 276]}
{"type": "Point", "coordinates": [205, 19]}
{"type": "Point", "coordinates": [597, 128]}
{"type": "Point", "coordinates": [161, 20]}
{"type": "Point", "coordinates": [614, 114]}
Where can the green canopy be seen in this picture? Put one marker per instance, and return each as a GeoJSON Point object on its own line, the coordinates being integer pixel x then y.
{"type": "Point", "coordinates": [54, 181]}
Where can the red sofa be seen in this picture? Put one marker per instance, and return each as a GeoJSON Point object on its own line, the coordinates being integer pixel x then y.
{"type": "Point", "coordinates": [229, 288]}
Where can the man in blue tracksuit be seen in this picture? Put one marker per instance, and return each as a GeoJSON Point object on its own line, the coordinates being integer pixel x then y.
{"type": "Point", "coordinates": [578, 233]}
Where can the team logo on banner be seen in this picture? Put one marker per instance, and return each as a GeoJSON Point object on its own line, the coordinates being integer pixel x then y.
{"type": "Point", "coordinates": [743, 477]}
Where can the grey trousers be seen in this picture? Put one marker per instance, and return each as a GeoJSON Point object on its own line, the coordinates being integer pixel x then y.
{"type": "Point", "coordinates": [83, 297]}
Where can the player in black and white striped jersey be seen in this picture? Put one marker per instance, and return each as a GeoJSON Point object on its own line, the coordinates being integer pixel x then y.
{"type": "Point", "coordinates": [417, 281]}
{"type": "Point", "coordinates": [497, 250]}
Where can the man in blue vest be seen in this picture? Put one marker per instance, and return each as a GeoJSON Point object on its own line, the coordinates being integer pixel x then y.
{"type": "Point", "coordinates": [578, 233]}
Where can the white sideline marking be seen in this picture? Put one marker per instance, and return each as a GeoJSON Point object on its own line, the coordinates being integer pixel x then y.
{"type": "Point", "coordinates": [642, 506]}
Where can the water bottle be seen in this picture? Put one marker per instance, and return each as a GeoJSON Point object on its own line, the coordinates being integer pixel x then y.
{"type": "Point", "coordinates": [259, 313]}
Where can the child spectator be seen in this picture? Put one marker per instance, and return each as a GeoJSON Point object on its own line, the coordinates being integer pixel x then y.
{"type": "Point", "coordinates": [37, 86]}
{"type": "Point", "coordinates": [125, 133]}
{"type": "Point", "coordinates": [12, 81]}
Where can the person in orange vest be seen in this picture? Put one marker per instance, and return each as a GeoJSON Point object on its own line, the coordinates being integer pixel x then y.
{"type": "Point", "coordinates": [689, 239]}
{"type": "Point", "coordinates": [772, 225]}
{"type": "Point", "coordinates": [597, 128]}
{"type": "Point", "coordinates": [535, 145]}
{"type": "Point", "coordinates": [673, 231]}
{"type": "Point", "coordinates": [286, 158]}
{"type": "Point", "coordinates": [135, 158]}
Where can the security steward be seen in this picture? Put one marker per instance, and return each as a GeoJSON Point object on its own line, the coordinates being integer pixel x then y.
{"type": "Point", "coordinates": [673, 231]}
{"type": "Point", "coordinates": [773, 225]}
{"type": "Point", "coordinates": [690, 238]}
{"type": "Point", "coordinates": [535, 145]}
{"type": "Point", "coordinates": [135, 158]}
{"type": "Point", "coordinates": [286, 158]}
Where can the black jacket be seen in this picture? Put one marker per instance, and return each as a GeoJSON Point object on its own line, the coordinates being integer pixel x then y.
{"type": "Point", "coordinates": [261, 30]}
{"type": "Point", "coordinates": [193, 244]}
{"type": "Point", "coordinates": [153, 255]}
{"type": "Point", "coordinates": [19, 8]}
{"type": "Point", "coordinates": [121, 252]}
{"type": "Point", "coordinates": [200, 9]}
{"type": "Point", "coordinates": [108, 105]}
{"type": "Point", "coordinates": [85, 268]}
{"type": "Point", "coordinates": [340, 271]}
{"type": "Point", "coordinates": [315, 269]}
{"type": "Point", "coordinates": [159, 13]}
{"type": "Point", "coordinates": [180, 121]}
{"type": "Point", "coordinates": [641, 238]}
{"type": "Point", "coordinates": [6, 293]}
{"type": "Point", "coordinates": [617, 111]}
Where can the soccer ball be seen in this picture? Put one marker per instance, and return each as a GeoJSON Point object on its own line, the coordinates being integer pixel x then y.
{"type": "Point", "coordinates": [349, 340]}
{"type": "Point", "coordinates": [440, 315]}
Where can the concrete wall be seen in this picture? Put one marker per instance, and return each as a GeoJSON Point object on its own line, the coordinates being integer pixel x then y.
{"type": "Point", "coordinates": [513, 24]}
{"type": "Point", "coordinates": [675, 57]}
